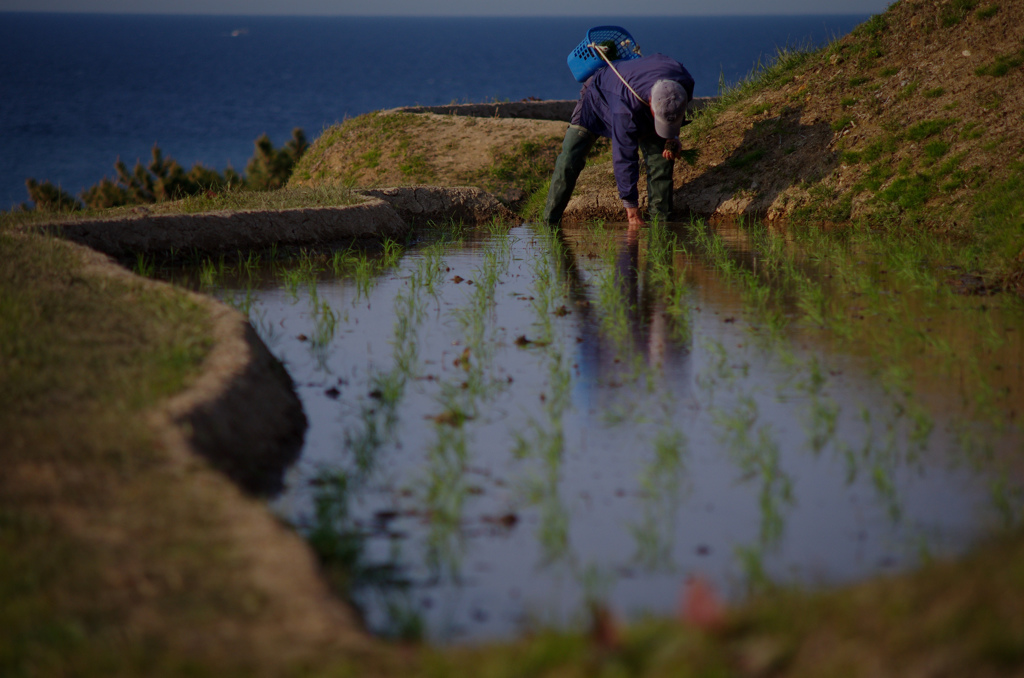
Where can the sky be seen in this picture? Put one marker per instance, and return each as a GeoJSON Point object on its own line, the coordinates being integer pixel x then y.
{"type": "Point", "coordinates": [452, 7]}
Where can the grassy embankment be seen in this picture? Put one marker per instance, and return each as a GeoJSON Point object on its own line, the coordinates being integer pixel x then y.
{"type": "Point", "coordinates": [84, 500]}
{"type": "Point", "coordinates": [909, 127]}
{"type": "Point", "coordinates": [121, 554]}
{"type": "Point", "coordinates": [509, 158]}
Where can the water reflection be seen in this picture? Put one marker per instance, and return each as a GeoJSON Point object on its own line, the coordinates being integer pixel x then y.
{"type": "Point", "coordinates": [506, 428]}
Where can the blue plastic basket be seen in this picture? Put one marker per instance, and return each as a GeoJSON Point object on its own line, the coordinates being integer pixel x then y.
{"type": "Point", "coordinates": [584, 62]}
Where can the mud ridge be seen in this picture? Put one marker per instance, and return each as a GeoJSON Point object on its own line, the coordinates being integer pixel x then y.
{"type": "Point", "coordinates": [418, 205]}
{"type": "Point", "coordinates": [243, 416]}
{"type": "Point", "coordinates": [229, 231]}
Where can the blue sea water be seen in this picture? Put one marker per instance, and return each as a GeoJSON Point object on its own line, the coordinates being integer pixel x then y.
{"type": "Point", "coordinates": [77, 91]}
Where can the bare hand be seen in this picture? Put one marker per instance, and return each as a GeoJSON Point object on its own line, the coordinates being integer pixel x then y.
{"type": "Point", "coordinates": [672, 149]}
{"type": "Point", "coordinates": [634, 218]}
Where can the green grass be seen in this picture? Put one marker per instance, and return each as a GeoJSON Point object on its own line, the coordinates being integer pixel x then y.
{"type": "Point", "coordinates": [526, 166]}
{"type": "Point", "coordinates": [987, 12]}
{"type": "Point", "coordinates": [936, 149]}
{"type": "Point", "coordinates": [955, 11]}
{"type": "Point", "coordinates": [999, 216]}
{"type": "Point", "coordinates": [746, 159]}
{"type": "Point", "coordinates": [787, 63]}
{"type": "Point", "coordinates": [927, 128]}
{"type": "Point", "coordinates": [1003, 64]}
{"type": "Point", "coordinates": [873, 27]}
{"type": "Point", "coordinates": [879, 147]}
{"type": "Point", "coordinates": [908, 90]}
{"type": "Point", "coordinates": [842, 123]}
{"type": "Point", "coordinates": [371, 158]}
{"type": "Point", "coordinates": [972, 130]}
{"type": "Point", "coordinates": [82, 358]}
{"type": "Point", "coordinates": [42, 360]}
{"type": "Point", "coordinates": [758, 109]}
{"type": "Point", "coordinates": [908, 193]}
{"type": "Point", "coordinates": [361, 140]}
{"type": "Point", "coordinates": [416, 167]}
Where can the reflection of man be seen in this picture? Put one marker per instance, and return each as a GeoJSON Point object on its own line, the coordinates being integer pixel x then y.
{"type": "Point", "coordinates": [646, 306]}
{"type": "Point", "coordinates": [649, 331]}
{"type": "Point", "coordinates": [640, 112]}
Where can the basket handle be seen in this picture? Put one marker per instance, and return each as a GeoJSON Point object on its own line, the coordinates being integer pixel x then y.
{"type": "Point", "coordinates": [600, 53]}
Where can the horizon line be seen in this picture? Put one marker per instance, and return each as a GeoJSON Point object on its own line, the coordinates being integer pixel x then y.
{"type": "Point", "coordinates": [428, 16]}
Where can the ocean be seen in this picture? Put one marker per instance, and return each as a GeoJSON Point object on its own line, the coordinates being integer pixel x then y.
{"type": "Point", "coordinates": [78, 91]}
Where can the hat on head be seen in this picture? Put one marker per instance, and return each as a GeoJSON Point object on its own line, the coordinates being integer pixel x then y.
{"type": "Point", "coordinates": [668, 101]}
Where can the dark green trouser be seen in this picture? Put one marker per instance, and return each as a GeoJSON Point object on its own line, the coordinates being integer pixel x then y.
{"type": "Point", "coordinates": [568, 166]}
{"type": "Point", "coordinates": [659, 177]}
{"type": "Point", "coordinates": [570, 163]}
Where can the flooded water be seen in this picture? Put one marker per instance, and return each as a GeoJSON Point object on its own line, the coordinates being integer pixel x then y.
{"type": "Point", "coordinates": [508, 424]}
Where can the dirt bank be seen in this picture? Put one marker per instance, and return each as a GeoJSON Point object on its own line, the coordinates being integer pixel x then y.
{"type": "Point", "coordinates": [384, 213]}
{"type": "Point", "coordinates": [243, 416]}
{"type": "Point", "coordinates": [230, 231]}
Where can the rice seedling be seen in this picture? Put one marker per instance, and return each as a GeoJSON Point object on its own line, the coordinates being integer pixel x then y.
{"type": "Point", "coordinates": [363, 270]}
{"type": "Point", "coordinates": [450, 232]}
{"type": "Point", "coordinates": [661, 275]}
{"type": "Point", "coordinates": [242, 302]}
{"type": "Point", "coordinates": [751, 562]}
{"type": "Point", "coordinates": [616, 286]}
{"type": "Point", "coordinates": [324, 327]}
{"type": "Point", "coordinates": [379, 415]}
{"type": "Point", "coordinates": [885, 487]}
{"type": "Point", "coordinates": [292, 279]}
{"type": "Point", "coordinates": [717, 371]}
{"type": "Point", "coordinates": [1007, 499]}
{"type": "Point", "coordinates": [144, 266]}
{"type": "Point", "coordinates": [341, 261]}
{"type": "Point", "coordinates": [553, 526]}
{"type": "Point", "coordinates": [341, 545]}
{"type": "Point", "coordinates": [445, 498]}
{"type": "Point", "coordinates": [660, 482]}
{"type": "Point", "coordinates": [207, 274]}
{"type": "Point", "coordinates": [757, 455]}
{"type": "Point", "coordinates": [822, 417]}
{"type": "Point", "coordinates": [332, 534]}
{"type": "Point", "coordinates": [433, 273]}
{"type": "Point", "coordinates": [544, 439]}
{"type": "Point", "coordinates": [391, 254]}
{"type": "Point", "coordinates": [249, 263]}
{"type": "Point", "coordinates": [813, 302]}
{"type": "Point", "coordinates": [543, 299]}
{"type": "Point", "coordinates": [799, 296]}
{"type": "Point", "coordinates": [266, 329]}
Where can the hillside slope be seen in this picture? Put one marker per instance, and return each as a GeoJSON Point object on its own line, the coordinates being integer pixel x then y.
{"type": "Point", "coordinates": [507, 156]}
{"type": "Point", "coordinates": [916, 118]}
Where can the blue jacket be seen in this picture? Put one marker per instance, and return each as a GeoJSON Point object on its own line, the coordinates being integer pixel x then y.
{"type": "Point", "coordinates": [608, 109]}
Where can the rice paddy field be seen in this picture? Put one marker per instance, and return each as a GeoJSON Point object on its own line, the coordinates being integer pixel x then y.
{"type": "Point", "coordinates": [512, 424]}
